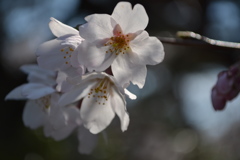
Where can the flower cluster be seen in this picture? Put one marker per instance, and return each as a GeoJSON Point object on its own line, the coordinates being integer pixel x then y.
{"type": "Point", "coordinates": [227, 87]}
{"type": "Point", "coordinates": [82, 76]}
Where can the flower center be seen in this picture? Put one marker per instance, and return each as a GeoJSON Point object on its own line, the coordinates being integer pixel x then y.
{"type": "Point", "coordinates": [101, 91]}
{"type": "Point", "coordinates": [44, 102]}
{"type": "Point", "coordinates": [118, 44]}
{"type": "Point", "coordinates": [67, 51]}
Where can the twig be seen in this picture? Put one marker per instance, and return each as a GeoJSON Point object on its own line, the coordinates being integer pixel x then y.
{"type": "Point", "coordinates": [193, 39]}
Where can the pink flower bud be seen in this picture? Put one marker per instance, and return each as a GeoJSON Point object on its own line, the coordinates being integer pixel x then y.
{"type": "Point", "coordinates": [227, 87]}
{"type": "Point", "coordinates": [218, 101]}
{"type": "Point", "coordinates": [224, 83]}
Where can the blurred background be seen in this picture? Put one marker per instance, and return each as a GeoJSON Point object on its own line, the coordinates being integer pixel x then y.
{"type": "Point", "coordinates": [172, 119]}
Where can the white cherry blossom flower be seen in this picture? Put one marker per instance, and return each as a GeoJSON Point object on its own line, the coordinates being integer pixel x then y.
{"type": "Point", "coordinates": [42, 108]}
{"type": "Point", "coordinates": [59, 123]}
{"type": "Point", "coordinates": [56, 54]}
{"type": "Point", "coordinates": [102, 98]}
{"type": "Point", "coordinates": [120, 41]}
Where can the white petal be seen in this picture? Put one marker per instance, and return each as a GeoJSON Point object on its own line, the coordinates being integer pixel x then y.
{"type": "Point", "coordinates": [61, 77]}
{"type": "Point", "coordinates": [35, 77]}
{"type": "Point", "coordinates": [72, 41]}
{"type": "Point", "coordinates": [32, 68]}
{"type": "Point", "coordinates": [130, 20]}
{"type": "Point", "coordinates": [149, 49]}
{"type": "Point", "coordinates": [61, 122]}
{"type": "Point", "coordinates": [74, 59]}
{"type": "Point", "coordinates": [96, 117]}
{"type": "Point", "coordinates": [76, 94]}
{"type": "Point", "coordinates": [16, 93]}
{"type": "Point", "coordinates": [119, 107]}
{"type": "Point", "coordinates": [81, 69]}
{"type": "Point", "coordinates": [84, 80]}
{"type": "Point", "coordinates": [94, 75]}
{"type": "Point", "coordinates": [33, 115]}
{"type": "Point", "coordinates": [62, 85]}
{"type": "Point", "coordinates": [27, 68]}
{"type": "Point", "coordinates": [39, 75]}
{"type": "Point", "coordinates": [60, 29]}
{"type": "Point", "coordinates": [36, 90]}
{"type": "Point", "coordinates": [129, 94]}
{"type": "Point", "coordinates": [87, 141]}
{"type": "Point", "coordinates": [94, 58]}
{"type": "Point", "coordinates": [98, 27]}
{"type": "Point", "coordinates": [124, 71]}
{"type": "Point", "coordinates": [51, 56]}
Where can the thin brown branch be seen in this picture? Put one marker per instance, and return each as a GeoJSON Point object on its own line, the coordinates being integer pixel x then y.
{"type": "Point", "coordinates": [188, 38]}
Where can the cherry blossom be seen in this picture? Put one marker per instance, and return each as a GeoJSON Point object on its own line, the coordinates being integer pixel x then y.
{"type": "Point", "coordinates": [120, 41]}
{"type": "Point", "coordinates": [42, 108]}
{"type": "Point", "coordinates": [56, 54]}
{"type": "Point", "coordinates": [82, 76]}
{"type": "Point", "coordinates": [102, 98]}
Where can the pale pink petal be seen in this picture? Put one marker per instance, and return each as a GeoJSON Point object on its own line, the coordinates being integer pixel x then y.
{"type": "Point", "coordinates": [87, 140]}
{"type": "Point", "coordinates": [96, 117]}
{"type": "Point", "coordinates": [98, 27]}
{"type": "Point", "coordinates": [33, 115]}
{"type": "Point", "coordinates": [52, 55]}
{"type": "Point", "coordinates": [148, 49]}
{"type": "Point", "coordinates": [76, 94]}
{"type": "Point", "coordinates": [36, 90]}
{"type": "Point", "coordinates": [119, 107]}
{"type": "Point", "coordinates": [124, 71]}
{"type": "Point", "coordinates": [16, 93]}
{"type": "Point", "coordinates": [94, 58]}
{"type": "Point", "coordinates": [130, 20]}
{"type": "Point", "coordinates": [60, 29]}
